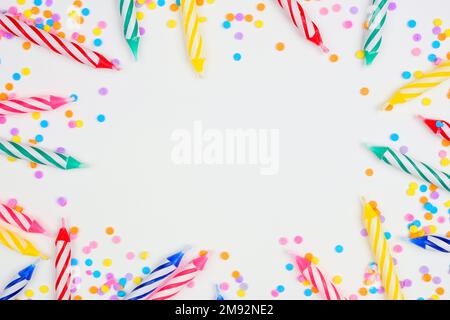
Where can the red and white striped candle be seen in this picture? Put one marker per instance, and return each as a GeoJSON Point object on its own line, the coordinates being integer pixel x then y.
{"type": "Point", "coordinates": [62, 264]}
{"type": "Point", "coordinates": [303, 22]}
{"type": "Point", "coordinates": [20, 220]}
{"type": "Point", "coordinates": [317, 279]}
{"type": "Point", "coordinates": [179, 280]}
{"type": "Point", "coordinates": [54, 43]}
{"type": "Point", "coordinates": [32, 104]}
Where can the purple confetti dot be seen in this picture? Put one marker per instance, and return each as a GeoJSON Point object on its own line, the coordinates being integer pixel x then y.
{"type": "Point", "coordinates": [423, 269]}
{"type": "Point", "coordinates": [407, 283]}
{"type": "Point", "coordinates": [38, 174]}
{"type": "Point", "coordinates": [436, 30]}
{"type": "Point", "coordinates": [417, 37]}
{"type": "Point", "coordinates": [103, 91]}
{"type": "Point", "coordinates": [354, 10]}
{"type": "Point", "coordinates": [62, 201]}
{"type": "Point", "coordinates": [141, 31]}
{"type": "Point", "coordinates": [238, 35]}
{"type": "Point", "coordinates": [14, 131]}
{"type": "Point", "coordinates": [436, 280]}
{"type": "Point", "coordinates": [128, 276]}
{"type": "Point", "coordinates": [239, 17]}
{"type": "Point", "coordinates": [392, 6]}
{"type": "Point", "coordinates": [61, 150]}
{"type": "Point", "coordinates": [403, 149]}
{"type": "Point", "coordinates": [363, 232]}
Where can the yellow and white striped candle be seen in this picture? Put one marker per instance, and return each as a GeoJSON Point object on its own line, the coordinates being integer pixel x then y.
{"type": "Point", "coordinates": [194, 39]}
{"type": "Point", "coordinates": [15, 242]}
{"type": "Point", "coordinates": [381, 252]}
{"type": "Point", "coordinates": [422, 84]}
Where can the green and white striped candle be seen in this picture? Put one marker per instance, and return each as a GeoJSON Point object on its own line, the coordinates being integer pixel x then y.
{"type": "Point", "coordinates": [38, 155]}
{"type": "Point", "coordinates": [375, 22]}
{"type": "Point", "coordinates": [411, 166]}
{"type": "Point", "coordinates": [130, 25]}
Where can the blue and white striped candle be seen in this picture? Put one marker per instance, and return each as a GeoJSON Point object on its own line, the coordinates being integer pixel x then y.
{"type": "Point", "coordinates": [16, 286]}
{"type": "Point", "coordinates": [156, 277]}
{"type": "Point", "coordinates": [434, 243]}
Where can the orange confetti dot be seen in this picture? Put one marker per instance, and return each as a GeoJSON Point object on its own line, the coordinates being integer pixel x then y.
{"type": "Point", "coordinates": [433, 187]}
{"type": "Point", "coordinates": [109, 230]}
{"type": "Point", "coordinates": [309, 256]}
{"type": "Point", "coordinates": [334, 57]}
{"type": "Point", "coordinates": [440, 291]}
{"type": "Point", "coordinates": [428, 216]}
{"type": "Point", "coordinates": [47, 14]}
{"type": "Point", "coordinates": [173, 7]}
{"type": "Point", "coordinates": [248, 18]}
{"type": "Point", "coordinates": [33, 165]}
{"type": "Point", "coordinates": [235, 274]}
{"type": "Point", "coordinates": [224, 255]}
{"type": "Point", "coordinates": [77, 297]}
{"type": "Point", "coordinates": [280, 46]}
{"type": "Point", "coordinates": [445, 142]}
{"type": "Point", "coordinates": [364, 91]}
{"type": "Point", "coordinates": [442, 36]}
{"type": "Point", "coordinates": [426, 277]}
{"type": "Point", "coordinates": [81, 38]}
{"type": "Point", "coordinates": [373, 204]}
{"type": "Point", "coordinates": [69, 113]}
{"type": "Point", "coordinates": [74, 230]}
{"type": "Point", "coordinates": [362, 291]}
{"type": "Point", "coordinates": [423, 200]}
{"type": "Point", "coordinates": [203, 253]}
{"type": "Point", "coordinates": [9, 86]}
{"type": "Point", "coordinates": [314, 290]}
{"type": "Point", "coordinates": [229, 17]}
{"type": "Point", "coordinates": [26, 45]}
{"type": "Point", "coordinates": [3, 96]}
{"type": "Point", "coordinates": [93, 290]}
{"type": "Point", "coordinates": [200, 2]}
{"type": "Point", "coordinates": [260, 6]}
{"type": "Point", "coordinates": [369, 172]}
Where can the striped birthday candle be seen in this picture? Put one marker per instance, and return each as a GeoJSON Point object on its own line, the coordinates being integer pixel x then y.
{"type": "Point", "coordinates": [38, 155]}
{"type": "Point", "coordinates": [11, 25]}
{"type": "Point", "coordinates": [156, 277]}
{"type": "Point", "coordinates": [318, 280]}
{"type": "Point", "coordinates": [16, 286]}
{"type": "Point", "coordinates": [194, 39]}
{"type": "Point", "coordinates": [63, 270]}
{"type": "Point", "coordinates": [375, 23]}
{"type": "Point", "coordinates": [180, 279]}
{"type": "Point", "coordinates": [439, 127]}
{"type": "Point", "coordinates": [381, 252]}
{"type": "Point", "coordinates": [16, 243]}
{"type": "Point", "coordinates": [419, 86]}
{"type": "Point", "coordinates": [411, 166]}
{"type": "Point", "coordinates": [303, 22]}
{"type": "Point", "coordinates": [432, 242]}
{"type": "Point", "coordinates": [130, 25]}
{"type": "Point", "coordinates": [20, 220]}
{"type": "Point", "coordinates": [32, 104]}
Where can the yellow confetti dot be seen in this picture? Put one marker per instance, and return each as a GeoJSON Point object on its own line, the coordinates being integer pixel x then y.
{"type": "Point", "coordinates": [141, 1]}
{"type": "Point", "coordinates": [104, 288]}
{"type": "Point", "coordinates": [410, 192]}
{"type": "Point", "coordinates": [437, 22]}
{"type": "Point", "coordinates": [139, 15]}
{"type": "Point", "coordinates": [16, 139]}
{"type": "Point", "coordinates": [435, 297]}
{"type": "Point", "coordinates": [79, 123]}
{"type": "Point", "coordinates": [414, 185]}
{"type": "Point", "coordinates": [315, 260]}
{"type": "Point", "coordinates": [43, 289]}
{"type": "Point", "coordinates": [29, 293]}
{"type": "Point", "coordinates": [97, 31]}
{"type": "Point", "coordinates": [107, 262]}
{"type": "Point", "coordinates": [337, 279]}
{"type": "Point", "coordinates": [433, 229]}
{"type": "Point", "coordinates": [143, 255]}
{"type": "Point", "coordinates": [360, 54]}
{"type": "Point", "coordinates": [137, 280]}
{"type": "Point", "coordinates": [445, 162]}
{"type": "Point", "coordinates": [259, 24]}
{"type": "Point", "coordinates": [21, 2]}
{"type": "Point", "coordinates": [426, 101]}
{"type": "Point", "coordinates": [151, 5]}
{"type": "Point", "coordinates": [241, 293]}
{"type": "Point", "coordinates": [36, 115]}
{"type": "Point", "coordinates": [171, 23]}
{"type": "Point", "coordinates": [447, 204]}
{"type": "Point", "coordinates": [26, 71]}
{"type": "Point", "coordinates": [413, 229]}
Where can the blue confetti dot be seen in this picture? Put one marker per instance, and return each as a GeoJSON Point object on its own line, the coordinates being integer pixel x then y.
{"type": "Point", "coordinates": [412, 23]}
{"type": "Point", "coordinates": [417, 223]}
{"type": "Point", "coordinates": [280, 288]}
{"type": "Point", "coordinates": [226, 24]}
{"type": "Point", "coordinates": [98, 42]}
{"type": "Point", "coordinates": [39, 138]}
{"type": "Point", "coordinates": [161, 3]}
{"type": "Point", "coordinates": [339, 248]}
{"type": "Point", "coordinates": [96, 274]}
{"type": "Point", "coordinates": [101, 118]}
{"type": "Point", "coordinates": [145, 270]}
{"type": "Point", "coordinates": [373, 290]}
{"type": "Point", "coordinates": [432, 57]}
{"type": "Point", "coordinates": [394, 137]}
{"type": "Point", "coordinates": [289, 267]}
{"type": "Point", "coordinates": [74, 97]}
{"type": "Point", "coordinates": [439, 124]}
{"type": "Point", "coordinates": [85, 12]}
{"type": "Point", "coordinates": [121, 294]}
{"type": "Point", "coordinates": [50, 22]}
{"type": "Point", "coordinates": [307, 292]}
{"type": "Point", "coordinates": [37, 2]}
{"type": "Point", "coordinates": [435, 44]}
{"type": "Point", "coordinates": [44, 123]}
{"type": "Point", "coordinates": [123, 281]}
{"type": "Point", "coordinates": [406, 75]}
{"type": "Point", "coordinates": [428, 206]}
{"type": "Point", "coordinates": [423, 188]}
{"type": "Point", "coordinates": [16, 76]}
{"type": "Point", "coordinates": [387, 235]}
{"type": "Point", "coordinates": [88, 262]}
{"type": "Point", "coordinates": [73, 262]}
{"type": "Point", "coordinates": [237, 57]}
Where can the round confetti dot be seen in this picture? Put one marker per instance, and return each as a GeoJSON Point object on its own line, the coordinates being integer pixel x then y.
{"type": "Point", "coordinates": [426, 101]}
{"type": "Point", "coordinates": [240, 293]}
{"type": "Point", "coordinates": [406, 75]}
{"type": "Point", "coordinates": [280, 288]}
{"type": "Point", "coordinates": [116, 239]}
{"type": "Point", "coordinates": [38, 174]}
{"type": "Point", "coordinates": [334, 57]}
{"type": "Point", "coordinates": [364, 91]}
{"type": "Point", "coordinates": [260, 6]}
{"type": "Point", "coordinates": [347, 24]}
{"type": "Point", "coordinates": [43, 289]}
{"type": "Point", "coordinates": [29, 293]}
{"type": "Point", "coordinates": [101, 118]}
{"type": "Point", "coordinates": [237, 57]}
{"type": "Point", "coordinates": [416, 52]}
{"type": "Point", "coordinates": [411, 23]}
{"type": "Point", "coordinates": [103, 91]}
{"type": "Point", "coordinates": [279, 46]}
{"type": "Point", "coordinates": [259, 24]}
{"type": "Point", "coordinates": [339, 248]}
{"type": "Point", "coordinates": [283, 241]}
{"type": "Point", "coordinates": [394, 137]}
{"type": "Point", "coordinates": [360, 54]}
{"type": "Point", "coordinates": [224, 255]}
{"type": "Point", "coordinates": [298, 239]}
{"type": "Point", "coordinates": [130, 255]}
{"type": "Point", "coordinates": [337, 279]}
{"type": "Point", "coordinates": [109, 230]}
{"type": "Point", "coordinates": [336, 7]}
{"type": "Point", "coordinates": [239, 36]}
{"type": "Point", "coordinates": [323, 11]}
{"type": "Point", "coordinates": [171, 23]}
{"type": "Point", "coordinates": [307, 292]}
{"type": "Point", "coordinates": [289, 267]}
{"type": "Point", "coordinates": [369, 172]}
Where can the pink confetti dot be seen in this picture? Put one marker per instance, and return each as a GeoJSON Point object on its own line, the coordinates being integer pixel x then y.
{"type": "Point", "coordinates": [102, 24]}
{"type": "Point", "coordinates": [116, 239]}
{"type": "Point", "coordinates": [301, 278]}
{"type": "Point", "coordinates": [363, 232]}
{"type": "Point", "coordinates": [441, 220]}
{"type": "Point", "coordinates": [2, 120]}
{"type": "Point", "coordinates": [283, 241]}
{"type": "Point", "coordinates": [191, 284]}
{"type": "Point", "coordinates": [86, 250]}
{"type": "Point", "coordinates": [12, 203]}
{"type": "Point", "coordinates": [72, 124]}
{"type": "Point", "coordinates": [409, 217]}
{"type": "Point", "coordinates": [274, 293]}
{"type": "Point", "coordinates": [38, 174]}
{"type": "Point", "coordinates": [224, 286]}
{"type": "Point", "coordinates": [397, 248]}
{"type": "Point", "coordinates": [130, 255]}
{"type": "Point", "coordinates": [323, 11]}
{"type": "Point", "coordinates": [336, 7]}
{"type": "Point", "coordinates": [93, 244]}
{"type": "Point", "coordinates": [347, 24]}
{"type": "Point", "coordinates": [62, 201]}
{"type": "Point", "coordinates": [298, 239]}
{"type": "Point", "coordinates": [416, 52]}
{"type": "Point", "coordinates": [442, 154]}
{"type": "Point", "coordinates": [353, 297]}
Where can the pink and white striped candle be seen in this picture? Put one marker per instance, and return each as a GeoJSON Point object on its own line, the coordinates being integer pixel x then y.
{"type": "Point", "coordinates": [179, 280]}
{"type": "Point", "coordinates": [317, 279]}
{"type": "Point", "coordinates": [20, 220]}
{"type": "Point", "coordinates": [54, 43]}
{"type": "Point", "coordinates": [32, 104]}
{"type": "Point", "coordinates": [62, 264]}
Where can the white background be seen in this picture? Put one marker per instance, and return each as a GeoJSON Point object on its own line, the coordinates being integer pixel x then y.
{"type": "Point", "coordinates": [154, 205]}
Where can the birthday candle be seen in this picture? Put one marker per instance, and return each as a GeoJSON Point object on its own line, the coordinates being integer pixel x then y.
{"type": "Point", "coordinates": [54, 43]}
{"type": "Point", "coordinates": [180, 279]}
{"type": "Point", "coordinates": [32, 104]}
{"type": "Point", "coordinates": [431, 242]}
{"type": "Point", "coordinates": [20, 220]}
{"type": "Point", "coordinates": [318, 280]}
{"type": "Point", "coordinates": [19, 283]}
{"type": "Point", "coordinates": [38, 155]}
{"type": "Point", "coordinates": [62, 264]}
{"type": "Point", "coordinates": [439, 127]}
{"type": "Point", "coordinates": [373, 36]}
{"type": "Point", "coordinates": [422, 84]}
{"type": "Point", "coordinates": [15, 242]}
{"type": "Point", "coordinates": [156, 277]}
{"type": "Point", "coordinates": [194, 39]}
{"type": "Point", "coordinates": [130, 25]}
{"type": "Point", "coordinates": [411, 166]}
{"type": "Point", "coordinates": [381, 252]}
{"type": "Point", "coordinates": [302, 22]}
